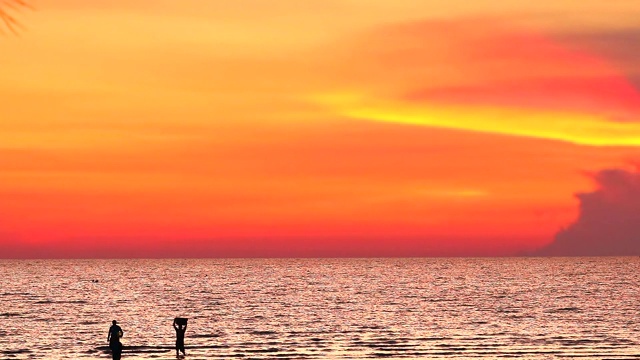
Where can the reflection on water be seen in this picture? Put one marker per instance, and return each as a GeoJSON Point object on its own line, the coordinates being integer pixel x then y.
{"type": "Point", "coordinates": [534, 308]}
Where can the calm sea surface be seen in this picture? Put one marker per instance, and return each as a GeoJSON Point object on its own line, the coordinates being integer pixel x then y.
{"type": "Point", "coordinates": [534, 308]}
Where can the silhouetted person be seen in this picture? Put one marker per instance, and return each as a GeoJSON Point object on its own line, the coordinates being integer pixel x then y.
{"type": "Point", "coordinates": [115, 333]}
{"type": "Point", "coordinates": [180, 330]}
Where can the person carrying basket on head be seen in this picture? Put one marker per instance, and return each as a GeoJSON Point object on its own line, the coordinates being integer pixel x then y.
{"type": "Point", "coordinates": [180, 325]}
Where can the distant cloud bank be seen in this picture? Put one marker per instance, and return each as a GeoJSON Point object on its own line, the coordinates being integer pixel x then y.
{"type": "Point", "coordinates": [609, 220]}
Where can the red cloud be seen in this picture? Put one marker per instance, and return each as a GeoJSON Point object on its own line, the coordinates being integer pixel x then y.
{"type": "Point", "coordinates": [485, 63]}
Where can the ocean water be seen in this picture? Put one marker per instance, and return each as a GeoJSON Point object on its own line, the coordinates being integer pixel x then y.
{"type": "Point", "coordinates": [533, 308]}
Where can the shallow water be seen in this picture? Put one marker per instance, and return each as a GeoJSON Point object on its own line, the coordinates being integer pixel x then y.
{"type": "Point", "coordinates": [534, 308]}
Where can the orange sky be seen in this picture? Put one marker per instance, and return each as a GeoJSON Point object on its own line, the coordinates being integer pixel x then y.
{"type": "Point", "coordinates": [291, 128]}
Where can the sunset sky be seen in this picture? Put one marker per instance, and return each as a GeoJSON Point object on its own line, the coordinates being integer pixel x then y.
{"type": "Point", "coordinates": [208, 128]}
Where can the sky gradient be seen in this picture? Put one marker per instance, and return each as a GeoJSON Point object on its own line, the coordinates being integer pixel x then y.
{"type": "Point", "coordinates": [289, 128]}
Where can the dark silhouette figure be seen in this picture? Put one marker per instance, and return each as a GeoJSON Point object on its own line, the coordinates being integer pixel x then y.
{"type": "Point", "coordinates": [115, 333]}
{"type": "Point", "coordinates": [180, 325]}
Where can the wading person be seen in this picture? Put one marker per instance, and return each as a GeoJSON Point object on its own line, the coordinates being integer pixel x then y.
{"type": "Point", "coordinates": [180, 325]}
{"type": "Point", "coordinates": [115, 333]}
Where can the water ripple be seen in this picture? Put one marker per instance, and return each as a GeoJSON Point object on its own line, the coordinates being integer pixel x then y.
{"type": "Point", "coordinates": [324, 309]}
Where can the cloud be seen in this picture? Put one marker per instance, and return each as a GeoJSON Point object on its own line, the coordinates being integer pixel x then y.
{"type": "Point", "coordinates": [608, 96]}
{"type": "Point", "coordinates": [489, 77]}
{"type": "Point", "coordinates": [619, 46]}
{"type": "Point", "coordinates": [609, 219]}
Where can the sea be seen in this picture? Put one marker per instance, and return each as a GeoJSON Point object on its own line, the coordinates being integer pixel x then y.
{"type": "Point", "coordinates": [426, 308]}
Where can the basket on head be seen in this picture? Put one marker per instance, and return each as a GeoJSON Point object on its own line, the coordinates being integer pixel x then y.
{"type": "Point", "coordinates": [181, 321]}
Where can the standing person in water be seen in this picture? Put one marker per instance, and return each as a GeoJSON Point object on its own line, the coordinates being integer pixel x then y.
{"type": "Point", "coordinates": [115, 333]}
{"type": "Point", "coordinates": [180, 330]}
